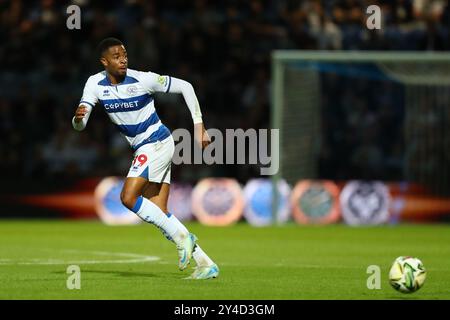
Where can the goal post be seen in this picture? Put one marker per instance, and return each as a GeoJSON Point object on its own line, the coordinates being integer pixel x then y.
{"type": "Point", "coordinates": [415, 84]}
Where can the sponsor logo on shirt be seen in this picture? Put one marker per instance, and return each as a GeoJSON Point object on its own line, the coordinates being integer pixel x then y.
{"type": "Point", "coordinates": [122, 105]}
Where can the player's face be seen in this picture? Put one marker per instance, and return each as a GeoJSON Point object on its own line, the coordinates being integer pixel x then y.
{"type": "Point", "coordinates": [115, 61]}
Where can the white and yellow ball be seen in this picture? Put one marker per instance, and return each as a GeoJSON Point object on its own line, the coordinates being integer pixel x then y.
{"type": "Point", "coordinates": [407, 274]}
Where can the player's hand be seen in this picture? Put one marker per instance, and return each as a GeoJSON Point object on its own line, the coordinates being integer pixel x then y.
{"type": "Point", "coordinates": [201, 136]}
{"type": "Point", "coordinates": [80, 113]}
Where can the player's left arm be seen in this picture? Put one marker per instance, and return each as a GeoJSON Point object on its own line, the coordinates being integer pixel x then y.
{"type": "Point", "coordinates": [187, 90]}
{"type": "Point", "coordinates": [158, 83]}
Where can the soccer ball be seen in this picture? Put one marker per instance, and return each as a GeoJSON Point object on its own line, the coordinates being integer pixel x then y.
{"type": "Point", "coordinates": [407, 274]}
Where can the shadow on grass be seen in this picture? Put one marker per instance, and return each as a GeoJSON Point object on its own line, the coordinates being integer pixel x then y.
{"type": "Point", "coordinates": [126, 274]}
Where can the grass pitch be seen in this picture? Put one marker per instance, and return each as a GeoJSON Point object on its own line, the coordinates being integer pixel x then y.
{"type": "Point", "coordinates": [287, 262]}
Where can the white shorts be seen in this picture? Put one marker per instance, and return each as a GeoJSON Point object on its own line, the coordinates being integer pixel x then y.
{"type": "Point", "coordinates": [152, 161]}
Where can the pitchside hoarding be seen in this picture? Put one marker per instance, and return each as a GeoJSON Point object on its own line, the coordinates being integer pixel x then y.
{"type": "Point", "coordinates": [310, 200]}
{"type": "Point", "coordinates": [259, 200]}
{"type": "Point", "coordinates": [218, 201]}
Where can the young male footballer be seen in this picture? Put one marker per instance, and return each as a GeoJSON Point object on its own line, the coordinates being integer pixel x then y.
{"type": "Point", "coordinates": [127, 97]}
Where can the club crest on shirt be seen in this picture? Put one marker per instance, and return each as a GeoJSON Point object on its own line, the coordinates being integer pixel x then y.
{"type": "Point", "coordinates": [106, 93]}
{"type": "Point", "coordinates": [132, 90]}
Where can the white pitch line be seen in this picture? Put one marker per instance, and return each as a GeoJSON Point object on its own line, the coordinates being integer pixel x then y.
{"type": "Point", "coordinates": [306, 266]}
{"type": "Point", "coordinates": [136, 258]}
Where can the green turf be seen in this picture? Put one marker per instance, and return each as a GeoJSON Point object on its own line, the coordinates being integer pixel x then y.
{"type": "Point", "coordinates": [288, 262]}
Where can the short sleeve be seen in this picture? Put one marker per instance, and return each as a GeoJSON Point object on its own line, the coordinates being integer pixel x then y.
{"type": "Point", "coordinates": [154, 82]}
{"type": "Point", "coordinates": [89, 93]}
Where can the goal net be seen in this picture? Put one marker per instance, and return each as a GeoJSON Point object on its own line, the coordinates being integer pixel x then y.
{"type": "Point", "coordinates": [363, 115]}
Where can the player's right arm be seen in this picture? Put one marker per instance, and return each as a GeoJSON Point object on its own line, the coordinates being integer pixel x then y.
{"type": "Point", "coordinates": [89, 99]}
{"type": "Point", "coordinates": [79, 121]}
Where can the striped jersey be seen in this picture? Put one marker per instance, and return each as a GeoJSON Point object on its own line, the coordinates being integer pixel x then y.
{"type": "Point", "coordinates": [130, 104]}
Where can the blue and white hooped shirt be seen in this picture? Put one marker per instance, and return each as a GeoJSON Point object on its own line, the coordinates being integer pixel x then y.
{"type": "Point", "coordinates": [130, 104]}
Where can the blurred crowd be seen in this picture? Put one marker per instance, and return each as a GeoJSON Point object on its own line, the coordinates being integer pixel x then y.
{"type": "Point", "coordinates": [223, 47]}
{"type": "Point", "coordinates": [363, 125]}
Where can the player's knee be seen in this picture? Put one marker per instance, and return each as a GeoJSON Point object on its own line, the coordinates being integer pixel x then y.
{"type": "Point", "coordinates": [128, 199]}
